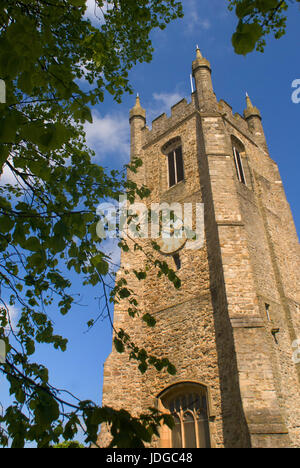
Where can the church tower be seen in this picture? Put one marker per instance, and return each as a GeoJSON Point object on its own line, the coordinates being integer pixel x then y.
{"type": "Point", "coordinates": [231, 329]}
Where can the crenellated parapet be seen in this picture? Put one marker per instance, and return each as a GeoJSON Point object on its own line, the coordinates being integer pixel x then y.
{"type": "Point", "coordinates": [203, 100]}
{"type": "Point", "coordinates": [224, 108]}
{"type": "Point", "coordinates": [241, 123]}
{"type": "Point", "coordinates": [235, 119]}
{"type": "Point", "coordinates": [180, 111]}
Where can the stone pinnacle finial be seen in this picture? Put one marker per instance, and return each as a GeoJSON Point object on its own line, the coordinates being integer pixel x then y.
{"type": "Point", "coordinates": [198, 53]}
{"type": "Point", "coordinates": [251, 110]}
{"type": "Point", "coordinates": [137, 101]}
{"type": "Point", "coordinates": [137, 110]}
{"type": "Point", "coordinates": [249, 103]}
{"type": "Point", "coordinates": [200, 61]}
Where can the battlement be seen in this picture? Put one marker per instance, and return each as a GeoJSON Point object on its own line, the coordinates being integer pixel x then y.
{"type": "Point", "coordinates": [236, 119]}
{"type": "Point", "coordinates": [184, 109]}
{"type": "Point", "coordinates": [163, 123]}
{"type": "Point", "coordinates": [225, 108]}
{"type": "Point", "coordinates": [179, 108]}
{"type": "Point", "coordinates": [159, 122]}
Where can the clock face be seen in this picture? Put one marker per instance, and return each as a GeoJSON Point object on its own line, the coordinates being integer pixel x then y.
{"type": "Point", "coordinates": [171, 242]}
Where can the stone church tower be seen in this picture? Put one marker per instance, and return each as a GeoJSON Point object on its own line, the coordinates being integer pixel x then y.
{"type": "Point", "coordinates": [231, 328]}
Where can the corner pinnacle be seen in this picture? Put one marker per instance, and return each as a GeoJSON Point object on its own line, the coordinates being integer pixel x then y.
{"type": "Point", "coordinates": [137, 110]}
{"type": "Point", "coordinates": [198, 53]}
{"type": "Point", "coordinates": [249, 103]}
{"type": "Point", "coordinates": [251, 110]}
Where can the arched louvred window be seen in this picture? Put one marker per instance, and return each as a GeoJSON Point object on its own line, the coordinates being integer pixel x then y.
{"type": "Point", "coordinates": [238, 155]}
{"type": "Point", "coordinates": [173, 150]}
{"type": "Point", "coordinates": [175, 165]}
{"type": "Point", "coordinates": [239, 166]}
{"type": "Point", "coordinates": [189, 406]}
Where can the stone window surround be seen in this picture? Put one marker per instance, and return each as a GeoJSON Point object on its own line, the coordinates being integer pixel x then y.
{"type": "Point", "coordinates": [166, 149]}
{"type": "Point", "coordinates": [238, 146]}
{"type": "Point", "coordinates": [179, 388]}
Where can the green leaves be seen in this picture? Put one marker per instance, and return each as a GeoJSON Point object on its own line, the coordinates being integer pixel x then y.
{"type": "Point", "coordinates": [32, 244]}
{"type": "Point", "coordinates": [77, 3]}
{"type": "Point", "coordinates": [17, 426]}
{"type": "Point", "coordinates": [266, 5]}
{"type": "Point", "coordinates": [8, 128]}
{"type": "Point", "coordinates": [149, 320]}
{"type": "Point", "coordinates": [141, 275]}
{"type": "Point", "coordinates": [69, 444]}
{"type": "Point", "coordinates": [6, 224]}
{"type": "Point", "coordinates": [122, 342]}
{"type": "Point", "coordinates": [45, 409]}
{"type": "Point", "coordinates": [100, 264]}
{"type": "Point", "coordinates": [257, 19]}
{"type": "Point", "coordinates": [46, 137]}
{"type": "Point", "coordinates": [246, 37]}
{"type": "Point", "coordinates": [56, 66]}
{"type": "Point", "coordinates": [119, 346]}
{"type": "Point", "coordinates": [244, 8]}
{"type": "Point", "coordinates": [83, 114]}
{"type": "Point", "coordinates": [124, 293]}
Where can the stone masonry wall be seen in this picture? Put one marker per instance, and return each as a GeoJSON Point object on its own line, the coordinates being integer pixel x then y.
{"type": "Point", "coordinates": [232, 324]}
{"type": "Point", "coordinates": [273, 246]}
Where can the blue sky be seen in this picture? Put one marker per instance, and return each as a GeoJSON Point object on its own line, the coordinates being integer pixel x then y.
{"type": "Point", "coordinates": [266, 77]}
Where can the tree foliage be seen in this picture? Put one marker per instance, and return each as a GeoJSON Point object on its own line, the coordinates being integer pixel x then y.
{"type": "Point", "coordinates": [69, 444]}
{"type": "Point", "coordinates": [257, 19]}
{"type": "Point", "coordinates": [57, 65]}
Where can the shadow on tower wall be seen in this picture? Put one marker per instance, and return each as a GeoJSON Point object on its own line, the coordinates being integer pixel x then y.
{"type": "Point", "coordinates": [235, 429]}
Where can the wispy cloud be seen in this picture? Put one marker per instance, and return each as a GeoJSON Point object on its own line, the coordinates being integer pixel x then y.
{"type": "Point", "coordinates": [112, 250]}
{"type": "Point", "coordinates": [162, 102]}
{"type": "Point", "coordinates": [7, 177]}
{"type": "Point", "coordinates": [196, 18]}
{"type": "Point", "coordinates": [109, 134]}
{"type": "Point", "coordinates": [94, 13]}
{"type": "Point", "coordinates": [167, 100]}
{"type": "Point", "coordinates": [13, 318]}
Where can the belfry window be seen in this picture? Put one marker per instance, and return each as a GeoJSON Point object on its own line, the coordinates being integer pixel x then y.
{"type": "Point", "coordinates": [239, 166]}
{"type": "Point", "coordinates": [175, 166]}
{"type": "Point", "coordinates": [189, 407]}
{"type": "Point", "coordinates": [267, 307]}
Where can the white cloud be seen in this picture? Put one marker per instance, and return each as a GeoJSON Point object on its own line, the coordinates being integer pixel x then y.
{"type": "Point", "coordinates": [7, 177]}
{"type": "Point", "coordinates": [94, 13]}
{"type": "Point", "coordinates": [162, 102]}
{"type": "Point", "coordinates": [110, 247]}
{"type": "Point", "coordinates": [109, 134]}
{"type": "Point", "coordinates": [194, 18]}
{"type": "Point", "coordinates": [167, 99]}
{"type": "Point", "coordinates": [13, 314]}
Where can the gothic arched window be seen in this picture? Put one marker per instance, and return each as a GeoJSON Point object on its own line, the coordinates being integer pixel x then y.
{"type": "Point", "coordinates": [189, 407]}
